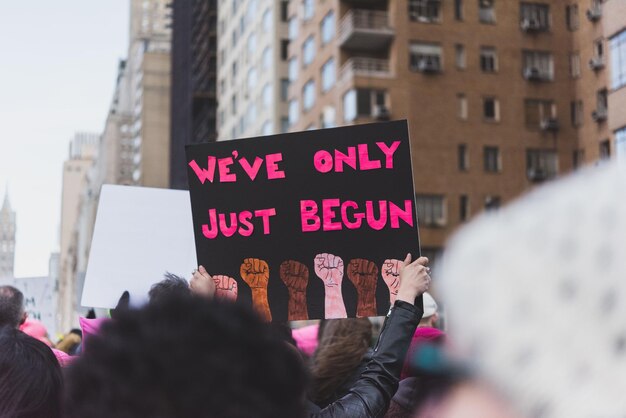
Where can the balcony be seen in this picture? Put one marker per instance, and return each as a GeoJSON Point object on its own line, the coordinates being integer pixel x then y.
{"type": "Point", "coordinates": [600, 114]}
{"type": "Point", "coordinates": [365, 30]}
{"type": "Point", "coordinates": [364, 67]}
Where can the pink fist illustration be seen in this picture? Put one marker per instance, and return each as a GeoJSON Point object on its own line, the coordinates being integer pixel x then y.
{"type": "Point", "coordinates": [329, 268]}
{"type": "Point", "coordinates": [225, 287]}
{"type": "Point", "coordinates": [391, 276]}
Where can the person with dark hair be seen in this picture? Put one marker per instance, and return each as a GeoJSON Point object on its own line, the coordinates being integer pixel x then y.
{"type": "Point", "coordinates": [339, 359]}
{"type": "Point", "coordinates": [170, 285]}
{"type": "Point", "coordinates": [12, 311]}
{"type": "Point", "coordinates": [30, 377]}
{"type": "Point", "coordinates": [182, 356]}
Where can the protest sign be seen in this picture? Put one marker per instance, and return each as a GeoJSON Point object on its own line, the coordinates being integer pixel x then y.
{"type": "Point", "coordinates": [40, 298]}
{"type": "Point", "coordinates": [140, 234]}
{"type": "Point", "coordinates": [306, 225]}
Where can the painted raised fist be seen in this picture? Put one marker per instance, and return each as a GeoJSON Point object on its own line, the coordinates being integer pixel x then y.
{"type": "Point", "coordinates": [295, 275]}
{"type": "Point", "coordinates": [329, 268]}
{"type": "Point", "coordinates": [391, 276]}
{"type": "Point", "coordinates": [364, 275]}
{"type": "Point", "coordinates": [256, 273]}
{"type": "Point", "coordinates": [225, 287]}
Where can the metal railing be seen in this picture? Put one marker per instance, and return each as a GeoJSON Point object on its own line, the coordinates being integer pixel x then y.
{"type": "Point", "coordinates": [365, 67]}
{"type": "Point", "coordinates": [361, 19]}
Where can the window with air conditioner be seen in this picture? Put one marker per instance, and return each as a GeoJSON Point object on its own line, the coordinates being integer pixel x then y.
{"type": "Point", "coordinates": [425, 57]}
{"type": "Point", "coordinates": [538, 66]}
{"type": "Point", "coordinates": [488, 59]}
{"type": "Point", "coordinates": [431, 210]}
{"type": "Point", "coordinates": [541, 164]}
{"type": "Point", "coordinates": [534, 17]}
{"type": "Point", "coordinates": [425, 10]}
{"type": "Point", "coordinates": [617, 45]}
{"type": "Point", "coordinates": [486, 11]}
{"type": "Point", "coordinates": [365, 103]}
{"type": "Point", "coordinates": [539, 113]}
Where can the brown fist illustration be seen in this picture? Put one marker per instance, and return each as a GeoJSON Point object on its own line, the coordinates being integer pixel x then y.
{"type": "Point", "coordinates": [225, 287]}
{"type": "Point", "coordinates": [256, 273]}
{"type": "Point", "coordinates": [295, 275]}
{"type": "Point", "coordinates": [364, 275]}
{"type": "Point", "coordinates": [391, 276]}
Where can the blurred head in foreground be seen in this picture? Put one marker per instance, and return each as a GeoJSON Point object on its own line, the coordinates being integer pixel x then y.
{"type": "Point", "coordinates": [536, 296]}
{"type": "Point", "coordinates": [12, 312]}
{"type": "Point", "coordinates": [185, 357]}
{"type": "Point", "coordinates": [30, 377]}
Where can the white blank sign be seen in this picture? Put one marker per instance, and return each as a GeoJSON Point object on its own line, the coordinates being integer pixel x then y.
{"type": "Point", "coordinates": [140, 234]}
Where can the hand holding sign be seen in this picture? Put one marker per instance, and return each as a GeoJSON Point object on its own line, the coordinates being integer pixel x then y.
{"type": "Point", "coordinates": [391, 276]}
{"type": "Point", "coordinates": [202, 284]}
{"type": "Point", "coordinates": [256, 273]}
{"type": "Point", "coordinates": [295, 275]}
{"type": "Point", "coordinates": [329, 268]}
{"type": "Point", "coordinates": [225, 287]}
{"type": "Point", "coordinates": [364, 274]}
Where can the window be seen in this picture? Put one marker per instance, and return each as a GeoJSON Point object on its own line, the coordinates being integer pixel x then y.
{"type": "Point", "coordinates": [251, 11]}
{"type": "Point", "coordinates": [538, 66]}
{"type": "Point", "coordinates": [284, 49]}
{"type": "Point", "coordinates": [308, 9]}
{"type": "Point", "coordinates": [541, 164]}
{"type": "Point", "coordinates": [620, 144]}
{"type": "Point", "coordinates": [430, 210]}
{"type": "Point", "coordinates": [534, 17]}
{"type": "Point", "coordinates": [293, 69]}
{"type": "Point", "coordinates": [598, 48]}
{"type": "Point", "coordinates": [328, 75]}
{"type": "Point", "coordinates": [488, 59]}
{"type": "Point", "coordinates": [233, 104]}
{"type": "Point", "coordinates": [268, 128]}
{"type": "Point", "coordinates": [574, 64]}
{"type": "Point", "coordinates": [267, 95]}
{"type": "Point", "coordinates": [618, 60]}
{"type": "Point", "coordinates": [571, 17]}
{"type": "Point", "coordinates": [460, 56]}
{"type": "Point", "coordinates": [308, 51]}
{"type": "Point", "coordinates": [491, 109]}
{"type": "Point", "coordinates": [578, 158]}
{"type": "Point", "coordinates": [328, 27]}
{"type": "Point", "coordinates": [363, 102]}
{"type": "Point", "coordinates": [463, 157]}
{"type": "Point", "coordinates": [486, 11]}
{"type": "Point", "coordinates": [284, 89]}
{"type": "Point", "coordinates": [251, 114]}
{"type": "Point", "coordinates": [425, 58]}
{"type": "Point", "coordinates": [294, 112]}
{"type": "Point", "coordinates": [284, 10]}
{"type": "Point", "coordinates": [308, 95]}
{"type": "Point", "coordinates": [252, 43]}
{"type": "Point", "coordinates": [492, 203]}
{"type": "Point", "coordinates": [234, 71]}
{"type": "Point", "coordinates": [602, 101]}
{"type": "Point", "coordinates": [576, 113]}
{"type": "Point", "coordinates": [328, 117]}
{"type": "Point", "coordinates": [605, 149]}
{"type": "Point", "coordinates": [267, 58]}
{"type": "Point", "coordinates": [491, 156]}
{"type": "Point", "coordinates": [252, 78]}
{"type": "Point", "coordinates": [425, 10]}
{"type": "Point", "coordinates": [462, 106]}
{"type": "Point", "coordinates": [464, 208]}
{"type": "Point", "coordinates": [536, 111]}
{"type": "Point", "coordinates": [267, 20]}
{"type": "Point", "coordinates": [284, 124]}
{"type": "Point", "coordinates": [235, 38]}
{"type": "Point", "coordinates": [458, 9]}
{"type": "Point", "coordinates": [293, 28]}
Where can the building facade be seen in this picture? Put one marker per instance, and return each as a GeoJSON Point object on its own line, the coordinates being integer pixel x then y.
{"type": "Point", "coordinates": [194, 81]}
{"type": "Point", "coordinates": [499, 95]}
{"type": "Point", "coordinates": [252, 68]}
{"type": "Point", "coordinates": [615, 33]}
{"type": "Point", "coordinates": [7, 237]}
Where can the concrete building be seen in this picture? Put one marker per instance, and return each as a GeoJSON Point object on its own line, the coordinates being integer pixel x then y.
{"type": "Point", "coordinates": [194, 81]}
{"type": "Point", "coordinates": [7, 237]}
{"type": "Point", "coordinates": [252, 68]}
{"type": "Point", "coordinates": [82, 154]}
{"type": "Point", "coordinates": [614, 17]}
{"type": "Point", "coordinates": [499, 95]}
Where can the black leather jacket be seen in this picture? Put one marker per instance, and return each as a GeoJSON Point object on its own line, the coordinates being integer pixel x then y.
{"type": "Point", "coordinates": [370, 395]}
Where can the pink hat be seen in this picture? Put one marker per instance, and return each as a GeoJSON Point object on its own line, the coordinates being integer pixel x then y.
{"type": "Point", "coordinates": [422, 335]}
{"type": "Point", "coordinates": [306, 338]}
{"type": "Point", "coordinates": [36, 330]}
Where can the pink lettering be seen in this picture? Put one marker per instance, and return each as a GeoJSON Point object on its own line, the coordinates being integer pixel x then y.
{"type": "Point", "coordinates": [271, 162]}
{"type": "Point", "coordinates": [358, 217]}
{"type": "Point", "coordinates": [204, 174]}
{"type": "Point", "coordinates": [364, 160]}
{"type": "Point", "coordinates": [251, 170]}
{"type": "Point", "coordinates": [348, 159]}
{"type": "Point", "coordinates": [329, 214]}
{"type": "Point", "coordinates": [210, 232]}
{"type": "Point", "coordinates": [246, 227]}
{"type": "Point", "coordinates": [228, 231]}
{"type": "Point", "coordinates": [395, 213]}
{"type": "Point", "coordinates": [323, 161]}
{"type": "Point", "coordinates": [388, 151]}
{"type": "Point", "coordinates": [225, 175]}
{"type": "Point", "coordinates": [379, 223]}
{"type": "Point", "coordinates": [265, 214]}
{"type": "Point", "coordinates": [310, 221]}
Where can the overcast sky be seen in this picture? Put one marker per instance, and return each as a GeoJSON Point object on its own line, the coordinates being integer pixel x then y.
{"type": "Point", "coordinates": [58, 63]}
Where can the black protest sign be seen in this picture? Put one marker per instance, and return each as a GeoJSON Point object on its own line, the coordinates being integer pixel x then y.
{"type": "Point", "coordinates": [306, 225]}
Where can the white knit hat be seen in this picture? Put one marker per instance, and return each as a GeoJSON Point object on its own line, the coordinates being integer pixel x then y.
{"type": "Point", "coordinates": [536, 294]}
{"type": "Point", "coordinates": [430, 306]}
